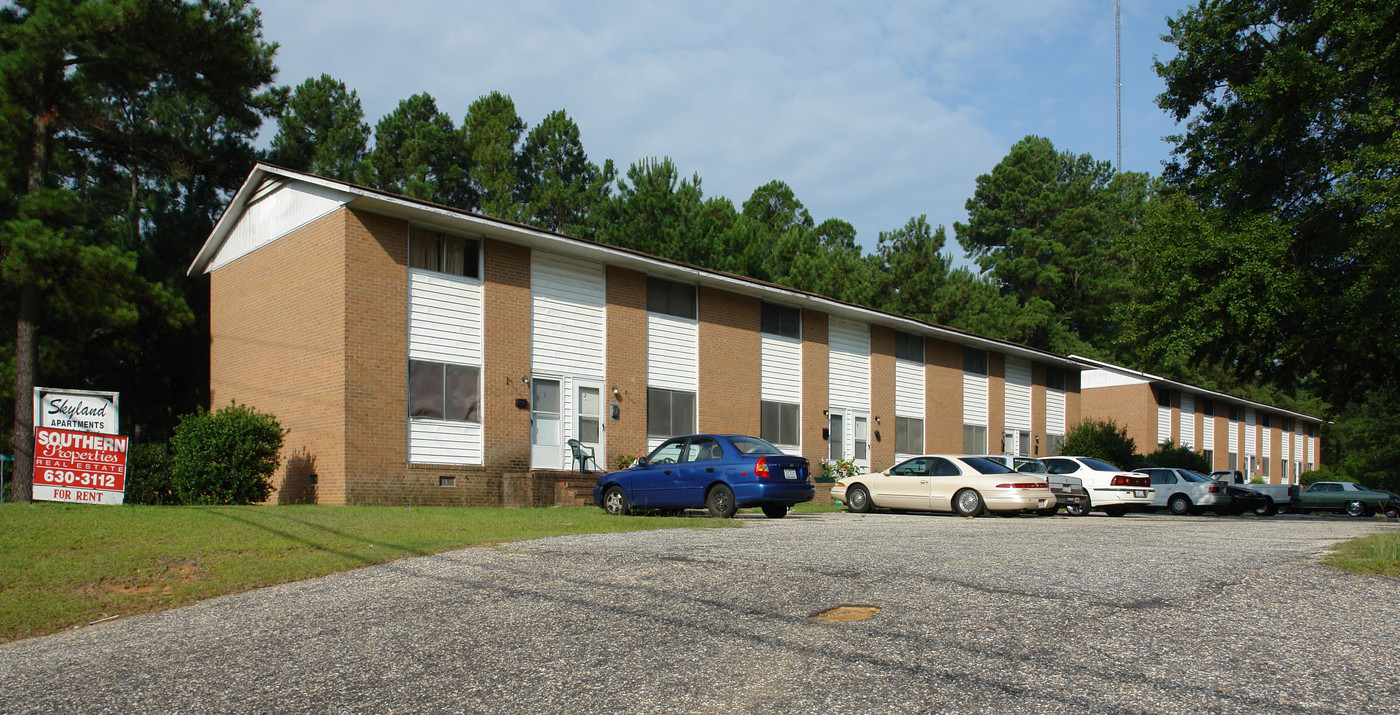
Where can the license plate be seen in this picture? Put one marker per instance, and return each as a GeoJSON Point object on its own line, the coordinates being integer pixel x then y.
{"type": "Point", "coordinates": [790, 473]}
{"type": "Point", "coordinates": [1140, 495]}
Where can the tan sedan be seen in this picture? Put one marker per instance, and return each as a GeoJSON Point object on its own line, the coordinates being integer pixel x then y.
{"type": "Point", "coordinates": [939, 482]}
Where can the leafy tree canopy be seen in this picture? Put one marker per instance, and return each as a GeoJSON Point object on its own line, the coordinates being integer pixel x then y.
{"type": "Point", "coordinates": [322, 131]}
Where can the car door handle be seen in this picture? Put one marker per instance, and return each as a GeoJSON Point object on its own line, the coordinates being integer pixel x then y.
{"type": "Point", "coordinates": [709, 469]}
{"type": "Point", "coordinates": [667, 472]}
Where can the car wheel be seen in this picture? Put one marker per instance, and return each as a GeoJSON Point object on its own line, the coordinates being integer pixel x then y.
{"type": "Point", "coordinates": [1392, 513]}
{"type": "Point", "coordinates": [1357, 508]}
{"type": "Point", "coordinates": [1179, 504]}
{"type": "Point", "coordinates": [1079, 509]}
{"type": "Point", "coordinates": [720, 502]}
{"type": "Point", "coordinates": [967, 503]}
{"type": "Point", "coordinates": [775, 512]}
{"type": "Point", "coordinates": [615, 502]}
{"type": "Point", "coordinates": [1115, 510]}
{"type": "Point", "coordinates": [1047, 512]}
{"type": "Point", "coordinates": [1268, 508]}
{"type": "Point", "coordinates": [858, 500]}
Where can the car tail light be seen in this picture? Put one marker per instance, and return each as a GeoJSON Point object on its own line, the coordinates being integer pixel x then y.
{"type": "Point", "coordinates": [1214, 489]}
{"type": "Point", "coordinates": [1123, 480]}
{"type": "Point", "coordinates": [760, 468]}
{"type": "Point", "coordinates": [1023, 485]}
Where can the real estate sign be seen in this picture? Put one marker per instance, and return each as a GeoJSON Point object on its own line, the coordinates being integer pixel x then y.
{"type": "Point", "coordinates": [79, 466]}
{"type": "Point", "coordinates": [77, 455]}
{"type": "Point", "coordinates": [79, 410]}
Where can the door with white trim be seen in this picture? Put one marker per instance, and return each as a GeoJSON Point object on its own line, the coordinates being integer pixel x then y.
{"type": "Point", "coordinates": [588, 421]}
{"type": "Point", "coordinates": [546, 423]}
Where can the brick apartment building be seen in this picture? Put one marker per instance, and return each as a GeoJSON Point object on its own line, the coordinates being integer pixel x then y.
{"type": "Point", "coordinates": [1261, 440]}
{"type": "Point", "coordinates": [419, 354]}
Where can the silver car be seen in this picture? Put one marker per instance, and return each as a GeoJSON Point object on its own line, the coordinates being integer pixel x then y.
{"type": "Point", "coordinates": [1069, 491]}
{"type": "Point", "coordinates": [1186, 492]}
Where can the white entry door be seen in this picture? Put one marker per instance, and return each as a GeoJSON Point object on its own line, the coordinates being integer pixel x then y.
{"type": "Point", "coordinates": [546, 424]}
{"type": "Point", "coordinates": [588, 421]}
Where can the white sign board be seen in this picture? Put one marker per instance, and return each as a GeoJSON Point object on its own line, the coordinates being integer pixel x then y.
{"type": "Point", "coordinates": [77, 410]}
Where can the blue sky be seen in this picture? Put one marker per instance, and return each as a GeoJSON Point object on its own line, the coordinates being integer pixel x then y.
{"type": "Point", "coordinates": [873, 112]}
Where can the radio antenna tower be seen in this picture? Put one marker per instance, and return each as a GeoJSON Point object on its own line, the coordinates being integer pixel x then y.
{"type": "Point", "coordinates": [1118, 75]}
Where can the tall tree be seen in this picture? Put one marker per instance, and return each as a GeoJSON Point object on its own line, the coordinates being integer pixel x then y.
{"type": "Point", "coordinates": [1292, 136]}
{"type": "Point", "coordinates": [419, 153]}
{"type": "Point", "coordinates": [560, 188]}
{"type": "Point", "coordinates": [323, 130]}
{"type": "Point", "coordinates": [1051, 228]}
{"type": "Point", "coordinates": [110, 112]}
{"type": "Point", "coordinates": [656, 211]}
{"type": "Point", "coordinates": [491, 134]}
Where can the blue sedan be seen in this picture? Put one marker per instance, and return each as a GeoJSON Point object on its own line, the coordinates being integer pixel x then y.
{"type": "Point", "coordinates": [722, 473]}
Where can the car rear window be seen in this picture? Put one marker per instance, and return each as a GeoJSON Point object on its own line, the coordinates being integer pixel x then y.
{"type": "Point", "coordinates": [753, 446]}
{"type": "Point", "coordinates": [985, 466]}
{"type": "Point", "coordinates": [1099, 465]}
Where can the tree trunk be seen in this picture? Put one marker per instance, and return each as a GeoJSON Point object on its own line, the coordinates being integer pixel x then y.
{"type": "Point", "coordinates": [23, 486]}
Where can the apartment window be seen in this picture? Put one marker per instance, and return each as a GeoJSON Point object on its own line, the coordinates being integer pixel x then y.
{"type": "Point", "coordinates": [1234, 461]}
{"type": "Point", "coordinates": [1055, 378]}
{"type": "Point", "coordinates": [862, 428]}
{"type": "Point", "coordinates": [782, 320]}
{"type": "Point", "coordinates": [1264, 468]}
{"type": "Point", "coordinates": [444, 392]}
{"type": "Point", "coordinates": [1208, 407]}
{"type": "Point", "coordinates": [1287, 424]}
{"type": "Point", "coordinates": [974, 361]}
{"type": "Point", "coordinates": [1312, 432]}
{"type": "Point", "coordinates": [1054, 444]}
{"type": "Point", "coordinates": [975, 439]}
{"type": "Point", "coordinates": [1164, 397]}
{"type": "Point", "coordinates": [444, 253]}
{"type": "Point", "coordinates": [670, 412]}
{"type": "Point", "coordinates": [670, 298]}
{"type": "Point", "coordinates": [1264, 419]}
{"type": "Point", "coordinates": [1209, 454]}
{"type": "Point", "coordinates": [908, 346]}
{"type": "Point", "coordinates": [908, 435]}
{"type": "Point", "coordinates": [836, 436]}
{"type": "Point", "coordinates": [778, 422]}
{"type": "Point", "coordinates": [1234, 413]}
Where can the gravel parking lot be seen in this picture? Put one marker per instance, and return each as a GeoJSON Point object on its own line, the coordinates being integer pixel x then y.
{"type": "Point", "coordinates": [1128, 615]}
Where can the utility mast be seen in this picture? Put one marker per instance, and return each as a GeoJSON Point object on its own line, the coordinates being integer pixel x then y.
{"type": "Point", "coordinates": [1118, 74]}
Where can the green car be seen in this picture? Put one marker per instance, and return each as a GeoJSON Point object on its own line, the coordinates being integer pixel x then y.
{"type": "Point", "coordinates": [1346, 497]}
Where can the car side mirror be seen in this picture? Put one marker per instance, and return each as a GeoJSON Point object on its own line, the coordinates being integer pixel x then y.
{"type": "Point", "coordinates": [641, 462]}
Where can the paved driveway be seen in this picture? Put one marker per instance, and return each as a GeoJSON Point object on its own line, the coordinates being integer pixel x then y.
{"type": "Point", "coordinates": [1094, 614]}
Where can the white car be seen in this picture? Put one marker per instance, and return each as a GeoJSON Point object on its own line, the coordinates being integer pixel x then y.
{"type": "Point", "coordinates": [1187, 492]}
{"type": "Point", "coordinates": [1111, 490]}
{"type": "Point", "coordinates": [941, 482]}
{"type": "Point", "coordinates": [1069, 491]}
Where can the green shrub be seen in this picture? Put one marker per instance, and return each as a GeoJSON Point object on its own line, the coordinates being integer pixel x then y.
{"type": "Point", "coordinates": [225, 457]}
{"type": "Point", "coordinates": [1168, 454]}
{"type": "Point", "coordinates": [838, 470]}
{"type": "Point", "coordinates": [1321, 475]}
{"type": "Point", "coordinates": [1101, 439]}
{"type": "Point", "coordinates": [148, 477]}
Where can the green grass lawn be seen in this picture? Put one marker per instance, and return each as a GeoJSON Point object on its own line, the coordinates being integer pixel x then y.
{"type": "Point", "coordinates": [66, 565]}
{"type": "Point", "coordinates": [1375, 554]}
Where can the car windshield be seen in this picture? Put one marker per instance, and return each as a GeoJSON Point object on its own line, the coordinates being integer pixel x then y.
{"type": "Point", "coordinates": [1030, 466]}
{"type": "Point", "coordinates": [753, 446]}
{"type": "Point", "coordinates": [1195, 476]}
{"type": "Point", "coordinates": [1099, 465]}
{"type": "Point", "coordinates": [985, 466]}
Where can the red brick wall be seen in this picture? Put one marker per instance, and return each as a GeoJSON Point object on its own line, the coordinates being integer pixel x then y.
{"type": "Point", "coordinates": [730, 356]}
{"type": "Point", "coordinates": [1038, 430]}
{"type": "Point", "coordinates": [943, 396]}
{"type": "Point", "coordinates": [881, 398]}
{"type": "Point", "coordinates": [506, 309]}
{"type": "Point", "coordinates": [276, 337]}
{"type": "Point", "coordinates": [1074, 399]}
{"type": "Point", "coordinates": [627, 363]}
{"type": "Point", "coordinates": [816, 391]}
{"type": "Point", "coordinates": [1131, 406]}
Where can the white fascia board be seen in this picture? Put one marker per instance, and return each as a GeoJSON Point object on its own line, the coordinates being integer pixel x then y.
{"type": "Point", "coordinates": [1125, 375]}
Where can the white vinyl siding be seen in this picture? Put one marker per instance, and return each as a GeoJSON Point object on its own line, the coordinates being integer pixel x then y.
{"type": "Point", "coordinates": [444, 325]}
{"type": "Point", "coordinates": [1233, 437]}
{"type": "Point", "coordinates": [272, 214]}
{"type": "Point", "coordinates": [673, 357]}
{"type": "Point", "coordinates": [849, 364]}
{"type": "Point", "coordinates": [1249, 432]}
{"type": "Point", "coordinates": [974, 399]}
{"type": "Point", "coordinates": [908, 394]}
{"type": "Point", "coordinates": [780, 380]}
{"type": "Point", "coordinates": [1208, 430]}
{"type": "Point", "coordinates": [1054, 411]}
{"type": "Point", "coordinates": [1164, 422]}
{"type": "Point", "coordinates": [567, 316]}
{"type": "Point", "coordinates": [1265, 444]}
{"type": "Point", "coordinates": [1188, 421]}
{"type": "Point", "coordinates": [1299, 434]}
{"type": "Point", "coordinates": [1018, 394]}
{"type": "Point", "coordinates": [1312, 458]}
